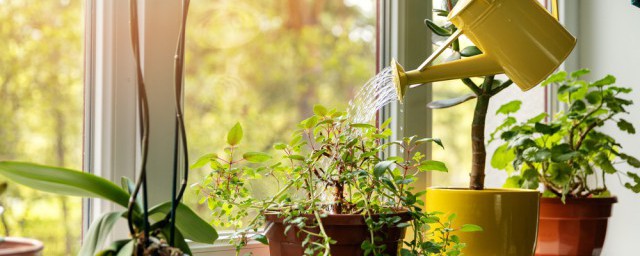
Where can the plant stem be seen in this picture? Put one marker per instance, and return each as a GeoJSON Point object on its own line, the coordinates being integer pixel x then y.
{"type": "Point", "coordinates": [477, 142]}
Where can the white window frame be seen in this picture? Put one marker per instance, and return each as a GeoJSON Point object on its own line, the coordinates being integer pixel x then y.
{"type": "Point", "coordinates": [110, 116]}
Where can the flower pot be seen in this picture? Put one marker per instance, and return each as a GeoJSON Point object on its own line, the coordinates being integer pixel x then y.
{"type": "Point", "coordinates": [575, 228]}
{"type": "Point", "coordinates": [509, 218]}
{"type": "Point", "coordinates": [18, 246]}
{"type": "Point", "coordinates": [348, 230]}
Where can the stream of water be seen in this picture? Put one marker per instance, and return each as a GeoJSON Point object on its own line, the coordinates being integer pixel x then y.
{"type": "Point", "coordinates": [375, 94]}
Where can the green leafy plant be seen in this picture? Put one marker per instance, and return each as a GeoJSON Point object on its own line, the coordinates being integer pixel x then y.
{"type": "Point", "coordinates": [568, 154]}
{"type": "Point", "coordinates": [330, 166]}
{"type": "Point", "coordinates": [76, 183]}
{"type": "Point", "coordinates": [481, 92]}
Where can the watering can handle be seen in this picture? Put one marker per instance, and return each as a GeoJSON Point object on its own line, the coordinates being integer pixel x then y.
{"type": "Point", "coordinates": [441, 49]}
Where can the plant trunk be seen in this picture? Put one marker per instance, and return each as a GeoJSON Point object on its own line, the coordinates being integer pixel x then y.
{"type": "Point", "coordinates": [477, 142]}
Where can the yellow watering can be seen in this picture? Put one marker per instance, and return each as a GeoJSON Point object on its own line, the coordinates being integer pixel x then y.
{"type": "Point", "coordinates": [517, 37]}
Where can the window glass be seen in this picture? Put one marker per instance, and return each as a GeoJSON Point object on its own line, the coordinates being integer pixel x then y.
{"type": "Point", "coordinates": [41, 102]}
{"type": "Point", "coordinates": [452, 125]}
{"type": "Point", "coordinates": [265, 64]}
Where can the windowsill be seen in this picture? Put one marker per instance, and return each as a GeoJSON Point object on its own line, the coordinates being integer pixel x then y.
{"type": "Point", "coordinates": [222, 248]}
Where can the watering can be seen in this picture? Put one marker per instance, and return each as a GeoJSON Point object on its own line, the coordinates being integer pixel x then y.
{"type": "Point", "coordinates": [517, 37]}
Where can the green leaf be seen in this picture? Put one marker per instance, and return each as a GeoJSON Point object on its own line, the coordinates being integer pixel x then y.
{"type": "Point", "coordinates": [537, 118]}
{"type": "Point", "coordinates": [203, 160]}
{"type": "Point", "coordinates": [98, 232]}
{"type": "Point", "coordinates": [452, 217]}
{"type": "Point", "coordinates": [434, 140]}
{"type": "Point", "coordinates": [555, 78]}
{"type": "Point", "coordinates": [113, 248]}
{"type": "Point", "coordinates": [364, 126]}
{"type": "Point", "coordinates": [187, 221]}
{"type": "Point", "coordinates": [559, 173]}
{"type": "Point", "coordinates": [235, 135]}
{"type": "Point", "coordinates": [470, 51]}
{"type": "Point", "coordinates": [510, 107]}
{"type": "Point", "coordinates": [579, 73]}
{"type": "Point", "coordinates": [607, 80]}
{"type": "Point", "coordinates": [440, 104]}
{"type": "Point", "coordinates": [602, 160]}
{"type": "Point", "coordinates": [381, 167]}
{"type": "Point", "coordinates": [437, 29]}
{"type": "Point", "coordinates": [624, 125]}
{"type": "Point", "coordinates": [178, 238]}
{"type": "Point", "coordinates": [630, 160]}
{"type": "Point", "coordinates": [261, 238]}
{"type": "Point", "coordinates": [129, 186]}
{"type": "Point", "coordinates": [471, 228]}
{"type": "Point", "coordinates": [547, 129]}
{"type": "Point", "coordinates": [320, 110]}
{"type": "Point", "coordinates": [256, 157]}
{"type": "Point", "coordinates": [502, 157]}
{"type": "Point", "coordinates": [432, 165]}
{"type": "Point", "coordinates": [513, 182]}
{"type": "Point", "coordinates": [127, 249]}
{"type": "Point", "coordinates": [63, 181]}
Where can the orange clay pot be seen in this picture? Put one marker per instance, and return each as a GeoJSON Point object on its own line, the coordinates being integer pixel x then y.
{"type": "Point", "coordinates": [575, 228]}
{"type": "Point", "coordinates": [348, 230]}
{"type": "Point", "coordinates": [17, 246]}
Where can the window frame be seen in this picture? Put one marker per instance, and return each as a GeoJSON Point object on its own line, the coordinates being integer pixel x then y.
{"type": "Point", "coordinates": [110, 126]}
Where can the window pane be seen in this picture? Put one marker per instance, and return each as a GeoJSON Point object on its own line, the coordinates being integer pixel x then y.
{"type": "Point", "coordinates": [452, 125]}
{"type": "Point", "coordinates": [41, 112]}
{"type": "Point", "coordinates": [266, 64]}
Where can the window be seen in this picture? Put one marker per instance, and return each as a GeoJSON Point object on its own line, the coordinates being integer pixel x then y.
{"type": "Point", "coordinates": [266, 64]}
{"type": "Point", "coordinates": [41, 109]}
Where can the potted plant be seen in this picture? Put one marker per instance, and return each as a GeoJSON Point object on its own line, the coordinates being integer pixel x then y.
{"type": "Point", "coordinates": [509, 217]}
{"type": "Point", "coordinates": [336, 196]}
{"type": "Point", "coordinates": [571, 158]}
{"type": "Point", "coordinates": [157, 230]}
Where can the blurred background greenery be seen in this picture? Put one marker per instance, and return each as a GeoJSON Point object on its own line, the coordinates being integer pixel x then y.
{"type": "Point", "coordinates": [41, 96]}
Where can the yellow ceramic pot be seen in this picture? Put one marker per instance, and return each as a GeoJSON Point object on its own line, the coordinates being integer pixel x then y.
{"type": "Point", "coordinates": [509, 218]}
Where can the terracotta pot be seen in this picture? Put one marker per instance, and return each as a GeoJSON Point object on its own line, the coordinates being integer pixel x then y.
{"type": "Point", "coordinates": [18, 246]}
{"type": "Point", "coordinates": [348, 230]}
{"type": "Point", "coordinates": [509, 218]}
{"type": "Point", "coordinates": [575, 228]}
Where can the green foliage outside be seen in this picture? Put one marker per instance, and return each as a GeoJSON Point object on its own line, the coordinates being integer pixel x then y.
{"type": "Point", "coordinates": [569, 155]}
{"type": "Point", "coordinates": [41, 72]}
{"type": "Point", "coordinates": [266, 64]}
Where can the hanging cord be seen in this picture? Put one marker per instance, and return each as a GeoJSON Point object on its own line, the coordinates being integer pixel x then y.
{"type": "Point", "coordinates": [180, 133]}
{"type": "Point", "coordinates": [143, 113]}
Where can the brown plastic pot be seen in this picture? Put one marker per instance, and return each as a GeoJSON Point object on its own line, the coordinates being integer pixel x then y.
{"type": "Point", "coordinates": [575, 228]}
{"type": "Point", "coordinates": [18, 246]}
{"type": "Point", "coordinates": [348, 230]}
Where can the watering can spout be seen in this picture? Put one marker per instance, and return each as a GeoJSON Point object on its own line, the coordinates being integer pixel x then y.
{"type": "Point", "coordinates": [518, 38]}
{"type": "Point", "coordinates": [479, 65]}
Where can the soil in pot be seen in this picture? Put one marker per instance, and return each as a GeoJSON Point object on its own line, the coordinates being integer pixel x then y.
{"type": "Point", "coordinates": [17, 246]}
{"type": "Point", "coordinates": [577, 227]}
{"type": "Point", "coordinates": [348, 230]}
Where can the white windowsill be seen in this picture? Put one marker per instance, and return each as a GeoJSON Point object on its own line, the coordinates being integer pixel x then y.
{"type": "Point", "coordinates": [222, 248]}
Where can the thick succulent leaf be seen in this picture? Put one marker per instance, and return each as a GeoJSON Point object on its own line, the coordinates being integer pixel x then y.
{"type": "Point", "coordinates": [98, 232]}
{"type": "Point", "coordinates": [470, 51]}
{"type": "Point", "coordinates": [437, 29]}
{"type": "Point", "coordinates": [63, 181]}
{"type": "Point", "coordinates": [187, 221]}
{"type": "Point", "coordinates": [439, 104]}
